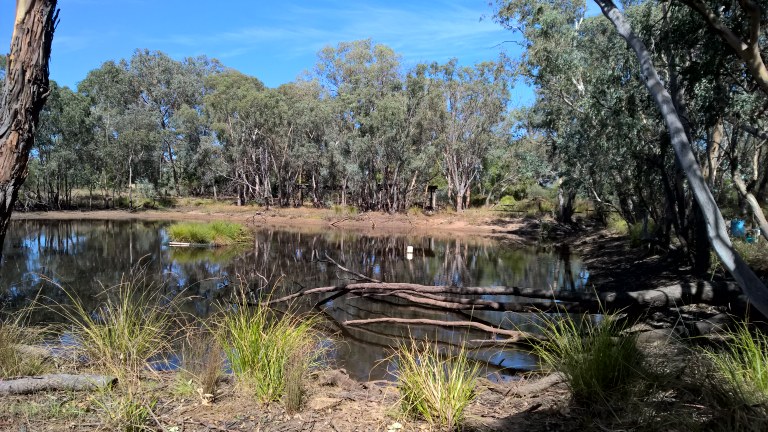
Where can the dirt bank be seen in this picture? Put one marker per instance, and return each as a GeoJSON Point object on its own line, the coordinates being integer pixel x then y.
{"type": "Point", "coordinates": [471, 222]}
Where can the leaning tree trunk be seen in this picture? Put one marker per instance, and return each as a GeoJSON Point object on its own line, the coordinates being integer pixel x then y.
{"type": "Point", "coordinates": [24, 94]}
{"type": "Point", "coordinates": [753, 287]}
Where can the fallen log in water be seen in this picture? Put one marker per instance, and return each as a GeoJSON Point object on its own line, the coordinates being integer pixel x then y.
{"type": "Point", "coordinates": [513, 336]}
{"type": "Point", "coordinates": [541, 300]}
{"type": "Point", "coordinates": [53, 382]}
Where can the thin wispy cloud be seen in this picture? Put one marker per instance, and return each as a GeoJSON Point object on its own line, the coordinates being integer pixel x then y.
{"type": "Point", "coordinates": [437, 32]}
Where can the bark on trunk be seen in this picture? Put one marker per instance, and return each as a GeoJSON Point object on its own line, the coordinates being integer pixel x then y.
{"type": "Point", "coordinates": [749, 282]}
{"type": "Point", "coordinates": [24, 95]}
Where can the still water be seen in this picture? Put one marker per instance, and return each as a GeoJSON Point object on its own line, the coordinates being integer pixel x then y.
{"type": "Point", "coordinates": [86, 256]}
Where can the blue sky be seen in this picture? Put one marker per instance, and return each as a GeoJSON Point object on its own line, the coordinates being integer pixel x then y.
{"type": "Point", "coordinates": [272, 40]}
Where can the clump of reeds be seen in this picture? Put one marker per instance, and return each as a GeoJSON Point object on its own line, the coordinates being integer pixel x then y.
{"type": "Point", "coordinates": [130, 326]}
{"type": "Point", "coordinates": [596, 359]}
{"type": "Point", "coordinates": [435, 386]}
{"type": "Point", "coordinates": [738, 386]}
{"type": "Point", "coordinates": [14, 334]}
{"type": "Point", "coordinates": [211, 233]}
{"type": "Point", "coordinates": [268, 352]}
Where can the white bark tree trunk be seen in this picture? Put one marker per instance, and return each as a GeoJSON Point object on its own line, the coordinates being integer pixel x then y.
{"type": "Point", "coordinates": [753, 287]}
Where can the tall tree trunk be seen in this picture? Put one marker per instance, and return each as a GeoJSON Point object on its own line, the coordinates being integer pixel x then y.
{"type": "Point", "coordinates": [173, 170]}
{"type": "Point", "coordinates": [753, 287]}
{"type": "Point", "coordinates": [565, 200]}
{"type": "Point", "coordinates": [24, 95]}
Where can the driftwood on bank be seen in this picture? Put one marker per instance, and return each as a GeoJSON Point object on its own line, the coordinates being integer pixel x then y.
{"type": "Point", "coordinates": [53, 382]}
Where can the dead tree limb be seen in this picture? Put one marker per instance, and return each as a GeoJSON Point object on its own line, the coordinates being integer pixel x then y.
{"type": "Point", "coordinates": [514, 335]}
{"type": "Point", "coordinates": [531, 387]}
{"type": "Point", "coordinates": [342, 268]}
{"type": "Point", "coordinates": [55, 382]}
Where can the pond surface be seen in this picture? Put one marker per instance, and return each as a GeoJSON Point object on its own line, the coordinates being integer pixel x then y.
{"type": "Point", "coordinates": [86, 256]}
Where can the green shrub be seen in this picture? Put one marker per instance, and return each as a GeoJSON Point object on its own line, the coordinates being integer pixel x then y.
{"type": "Point", "coordinates": [213, 233]}
{"type": "Point", "coordinates": [340, 210]}
{"type": "Point", "coordinates": [755, 254]}
{"type": "Point", "coordinates": [635, 232]}
{"type": "Point", "coordinates": [507, 201]}
{"type": "Point", "coordinates": [262, 346]}
{"type": "Point", "coordinates": [434, 386]}
{"type": "Point", "coordinates": [617, 225]}
{"type": "Point", "coordinates": [597, 361]}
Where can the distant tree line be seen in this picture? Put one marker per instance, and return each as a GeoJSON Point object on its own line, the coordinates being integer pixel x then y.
{"type": "Point", "coordinates": [358, 130]}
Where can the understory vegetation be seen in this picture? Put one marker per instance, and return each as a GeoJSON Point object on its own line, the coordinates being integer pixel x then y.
{"type": "Point", "coordinates": [599, 363]}
{"type": "Point", "coordinates": [612, 377]}
{"type": "Point", "coordinates": [13, 362]}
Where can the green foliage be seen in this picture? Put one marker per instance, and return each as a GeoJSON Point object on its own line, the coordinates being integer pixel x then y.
{"type": "Point", "coordinates": [213, 233]}
{"type": "Point", "coordinates": [507, 200]}
{"type": "Point", "coordinates": [635, 232]}
{"type": "Point", "coordinates": [266, 350]}
{"type": "Point", "coordinates": [598, 362]}
{"type": "Point", "coordinates": [340, 210]}
{"type": "Point", "coordinates": [433, 385]}
{"type": "Point", "coordinates": [755, 254]}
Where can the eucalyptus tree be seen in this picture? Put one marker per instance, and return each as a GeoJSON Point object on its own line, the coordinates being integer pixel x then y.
{"type": "Point", "coordinates": [671, 120]}
{"type": "Point", "coordinates": [473, 108]}
{"type": "Point", "coordinates": [303, 164]}
{"type": "Point", "coordinates": [375, 133]}
{"type": "Point", "coordinates": [165, 86]}
{"type": "Point", "coordinates": [24, 91]}
{"type": "Point", "coordinates": [111, 91]}
{"type": "Point", "coordinates": [64, 149]}
{"type": "Point", "coordinates": [237, 105]}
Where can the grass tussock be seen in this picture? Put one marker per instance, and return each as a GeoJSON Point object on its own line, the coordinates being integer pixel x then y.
{"type": "Point", "coordinates": [14, 363]}
{"type": "Point", "coordinates": [128, 328]}
{"type": "Point", "coordinates": [598, 362]}
{"type": "Point", "coordinates": [202, 363]}
{"type": "Point", "coordinates": [125, 412]}
{"type": "Point", "coordinates": [218, 233]}
{"type": "Point", "coordinates": [268, 353]}
{"type": "Point", "coordinates": [741, 367]}
{"type": "Point", "coordinates": [435, 386]}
